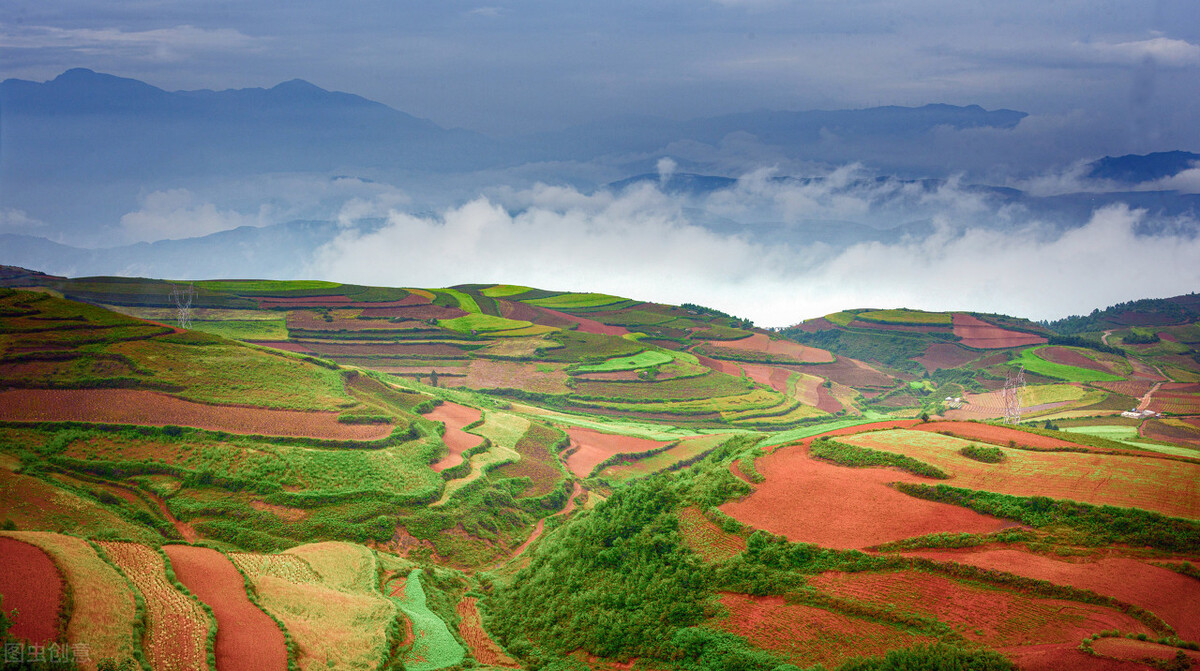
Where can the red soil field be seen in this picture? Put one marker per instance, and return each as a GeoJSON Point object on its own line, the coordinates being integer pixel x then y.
{"type": "Point", "coordinates": [247, 639]}
{"type": "Point", "coordinates": [455, 417]}
{"type": "Point", "coordinates": [1145, 371]}
{"type": "Point", "coordinates": [824, 637]}
{"type": "Point", "coordinates": [813, 501]}
{"type": "Point", "coordinates": [706, 539]}
{"type": "Point", "coordinates": [284, 345]}
{"type": "Point", "coordinates": [826, 402]}
{"type": "Point", "coordinates": [268, 302]}
{"type": "Point", "coordinates": [1064, 657]}
{"type": "Point", "coordinates": [979, 334]}
{"type": "Point", "coordinates": [310, 321]}
{"type": "Point", "coordinates": [1134, 388]}
{"type": "Point", "coordinates": [30, 583]}
{"type": "Point", "coordinates": [1125, 648]}
{"type": "Point", "coordinates": [945, 355]}
{"type": "Point", "coordinates": [1188, 434]}
{"type": "Point", "coordinates": [851, 373]}
{"type": "Point", "coordinates": [994, 617]}
{"type": "Point", "coordinates": [1069, 357]}
{"type": "Point", "coordinates": [496, 374]}
{"type": "Point", "coordinates": [483, 648]}
{"type": "Point", "coordinates": [814, 325]}
{"type": "Point", "coordinates": [386, 349]}
{"type": "Point", "coordinates": [148, 408]}
{"type": "Point", "coordinates": [996, 435]}
{"type": "Point", "coordinates": [414, 312]}
{"type": "Point", "coordinates": [595, 447]}
{"type": "Point", "coordinates": [1173, 597]}
{"type": "Point", "coordinates": [771, 376]}
{"type": "Point", "coordinates": [529, 313]}
{"type": "Point", "coordinates": [719, 365]}
{"type": "Point", "coordinates": [587, 325]}
{"type": "Point", "coordinates": [759, 342]}
{"type": "Point", "coordinates": [910, 328]}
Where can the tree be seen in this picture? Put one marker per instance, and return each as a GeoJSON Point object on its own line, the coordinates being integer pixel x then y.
{"type": "Point", "coordinates": [433, 377]}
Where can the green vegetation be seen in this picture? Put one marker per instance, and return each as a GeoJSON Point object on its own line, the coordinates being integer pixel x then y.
{"type": "Point", "coordinates": [985, 453]}
{"type": "Point", "coordinates": [504, 291]}
{"type": "Point", "coordinates": [257, 329]}
{"type": "Point", "coordinates": [1099, 524]}
{"type": "Point", "coordinates": [435, 647]}
{"type": "Point", "coordinates": [482, 322]}
{"type": "Point", "coordinates": [640, 360]}
{"type": "Point", "coordinates": [570, 301]}
{"type": "Point", "coordinates": [259, 287]}
{"type": "Point", "coordinates": [938, 657]}
{"type": "Point", "coordinates": [905, 316]}
{"type": "Point", "coordinates": [862, 457]}
{"type": "Point", "coordinates": [1035, 364]}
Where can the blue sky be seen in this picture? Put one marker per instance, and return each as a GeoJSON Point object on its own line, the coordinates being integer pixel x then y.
{"type": "Point", "coordinates": [502, 67]}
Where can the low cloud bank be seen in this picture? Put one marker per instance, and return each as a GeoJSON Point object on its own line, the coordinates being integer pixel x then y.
{"type": "Point", "coordinates": [644, 243]}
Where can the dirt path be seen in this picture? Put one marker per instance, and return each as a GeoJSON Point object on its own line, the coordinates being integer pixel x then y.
{"type": "Point", "coordinates": [1104, 338]}
{"type": "Point", "coordinates": [247, 639]}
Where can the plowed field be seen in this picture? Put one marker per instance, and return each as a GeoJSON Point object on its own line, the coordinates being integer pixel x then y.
{"type": "Point", "coordinates": [585, 325]}
{"type": "Point", "coordinates": [1160, 485]}
{"type": "Point", "coordinates": [1124, 648]}
{"type": "Point", "coordinates": [707, 539]}
{"type": "Point", "coordinates": [805, 635]}
{"type": "Point", "coordinates": [246, 638]}
{"type": "Point", "coordinates": [455, 417]}
{"type": "Point", "coordinates": [490, 374]}
{"type": "Point", "coordinates": [996, 618]}
{"type": "Point", "coordinates": [996, 435]}
{"type": "Point", "coordinates": [945, 355]}
{"type": "Point", "coordinates": [1169, 595]}
{"type": "Point", "coordinates": [595, 447]}
{"type": "Point", "coordinates": [177, 629]}
{"type": "Point", "coordinates": [759, 342]}
{"type": "Point", "coordinates": [813, 501]}
{"type": "Point", "coordinates": [148, 408]}
{"type": "Point", "coordinates": [1070, 357]}
{"type": "Point", "coordinates": [483, 648]}
{"type": "Point", "coordinates": [979, 334]}
{"type": "Point", "coordinates": [30, 583]}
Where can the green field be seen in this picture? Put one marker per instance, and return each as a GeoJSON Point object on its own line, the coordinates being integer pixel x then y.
{"type": "Point", "coordinates": [568, 301]}
{"type": "Point", "coordinates": [482, 322]}
{"type": "Point", "coordinates": [642, 360]}
{"type": "Point", "coordinates": [1035, 364]}
{"type": "Point", "coordinates": [904, 316]}
{"type": "Point", "coordinates": [256, 329]}
{"type": "Point", "coordinates": [504, 291]}
{"type": "Point", "coordinates": [252, 287]}
{"type": "Point", "coordinates": [1129, 436]}
{"type": "Point", "coordinates": [465, 301]}
{"type": "Point", "coordinates": [435, 647]}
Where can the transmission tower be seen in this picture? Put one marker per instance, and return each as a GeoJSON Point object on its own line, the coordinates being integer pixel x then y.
{"type": "Point", "coordinates": [182, 298]}
{"type": "Point", "coordinates": [1014, 391]}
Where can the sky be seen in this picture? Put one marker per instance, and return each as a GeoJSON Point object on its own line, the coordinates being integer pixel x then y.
{"type": "Point", "coordinates": [513, 66]}
{"type": "Point", "coordinates": [1095, 76]}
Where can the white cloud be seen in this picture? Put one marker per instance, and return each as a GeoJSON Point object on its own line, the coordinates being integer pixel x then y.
{"type": "Point", "coordinates": [645, 244]}
{"type": "Point", "coordinates": [18, 221]}
{"type": "Point", "coordinates": [177, 213]}
{"type": "Point", "coordinates": [160, 44]}
{"type": "Point", "coordinates": [1162, 50]}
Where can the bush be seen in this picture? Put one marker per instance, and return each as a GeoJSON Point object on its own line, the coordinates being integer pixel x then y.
{"type": "Point", "coordinates": [984, 453]}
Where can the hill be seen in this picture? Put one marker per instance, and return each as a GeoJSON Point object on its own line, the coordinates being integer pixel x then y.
{"type": "Point", "coordinates": [259, 473]}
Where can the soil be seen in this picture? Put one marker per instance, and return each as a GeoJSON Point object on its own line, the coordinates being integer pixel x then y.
{"type": "Point", "coordinates": [759, 342]}
{"type": "Point", "coordinates": [945, 355]}
{"type": "Point", "coordinates": [979, 334]}
{"type": "Point", "coordinates": [455, 417]}
{"type": "Point", "coordinates": [247, 639]}
{"type": "Point", "coordinates": [149, 408]}
{"type": "Point", "coordinates": [483, 648]}
{"type": "Point", "coordinates": [595, 447]}
{"type": "Point", "coordinates": [1069, 357]}
{"type": "Point", "coordinates": [586, 325]}
{"type": "Point", "coordinates": [1173, 597]}
{"type": "Point", "coordinates": [812, 501]}
{"type": "Point", "coordinates": [1064, 657]}
{"type": "Point", "coordinates": [997, 435]}
{"type": "Point", "coordinates": [30, 583]}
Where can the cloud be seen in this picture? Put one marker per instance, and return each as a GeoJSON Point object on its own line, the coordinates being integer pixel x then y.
{"type": "Point", "coordinates": [176, 213]}
{"type": "Point", "coordinates": [648, 245]}
{"type": "Point", "coordinates": [488, 12]}
{"type": "Point", "coordinates": [1161, 50]}
{"type": "Point", "coordinates": [160, 44]}
{"type": "Point", "coordinates": [12, 219]}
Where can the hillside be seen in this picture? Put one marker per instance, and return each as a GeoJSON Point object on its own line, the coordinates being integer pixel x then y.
{"type": "Point", "coordinates": [314, 474]}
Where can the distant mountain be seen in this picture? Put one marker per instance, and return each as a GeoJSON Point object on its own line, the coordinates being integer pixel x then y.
{"type": "Point", "coordinates": [1136, 169]}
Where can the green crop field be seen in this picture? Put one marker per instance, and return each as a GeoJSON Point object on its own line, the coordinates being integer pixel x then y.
{"type": "Point", "coordinates": [1035, 364]}
{"type": "Point", "coordinates": [504, 291]}
{"type": "Point", "coordinates": [569, 301]}
{"type": "Point", "coordinates": [482, 322]}
{"type": "Point", "coordinates": [251, 287]}
{"type": "Point", "coordinates": [256, 329]}
{"type": "Point", "coordinates": [642, 360]}
{"type": "Point", "coordinates": [903, 316]}
{"type": "Point", "coordinates": [434, 646]}
{"type": "Point", "coordinates": [841, 318]}
{"type": "Point", "coordinates": [465, 301]}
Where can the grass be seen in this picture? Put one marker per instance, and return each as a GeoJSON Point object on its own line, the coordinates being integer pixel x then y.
{"type": "Point", "coordinates": [465, 301]}
{"type": "Point", "coordinates": [35, 504]}
{"type": "Point", "coordinates": [435, 647]}
{"type": "Point", "coordinates": [504, 291]}
{"type": "Point", "coordinates": [251, 287]}
{"type": "Point", "coordinates": [861, 457]}
{"type": "Point", "coordinates": [905, 316]}
{"type": "Point", "coordinates": [482, 322]}
{"type": "Point", "coordinates": [337, 618]}
{"type": "Point", "coordinates": [841, 318]}
{"type": "Point", "coordinates": [1051, 393]}
{"type": "Point", "coordinates": [503, 431]}
{"type": "Point", "coordinates": [257, 329]}
{"type": "Point", "coordinates": [815, 429]}
{"type": "Point", "coordinates": [1129, 436]}
{"type": "Point", "coordinates": [1035, 364]}
{"type": "Point", "coordinates": [640, 360]}
{"type": "Point", "coordinates": [573, 300]}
